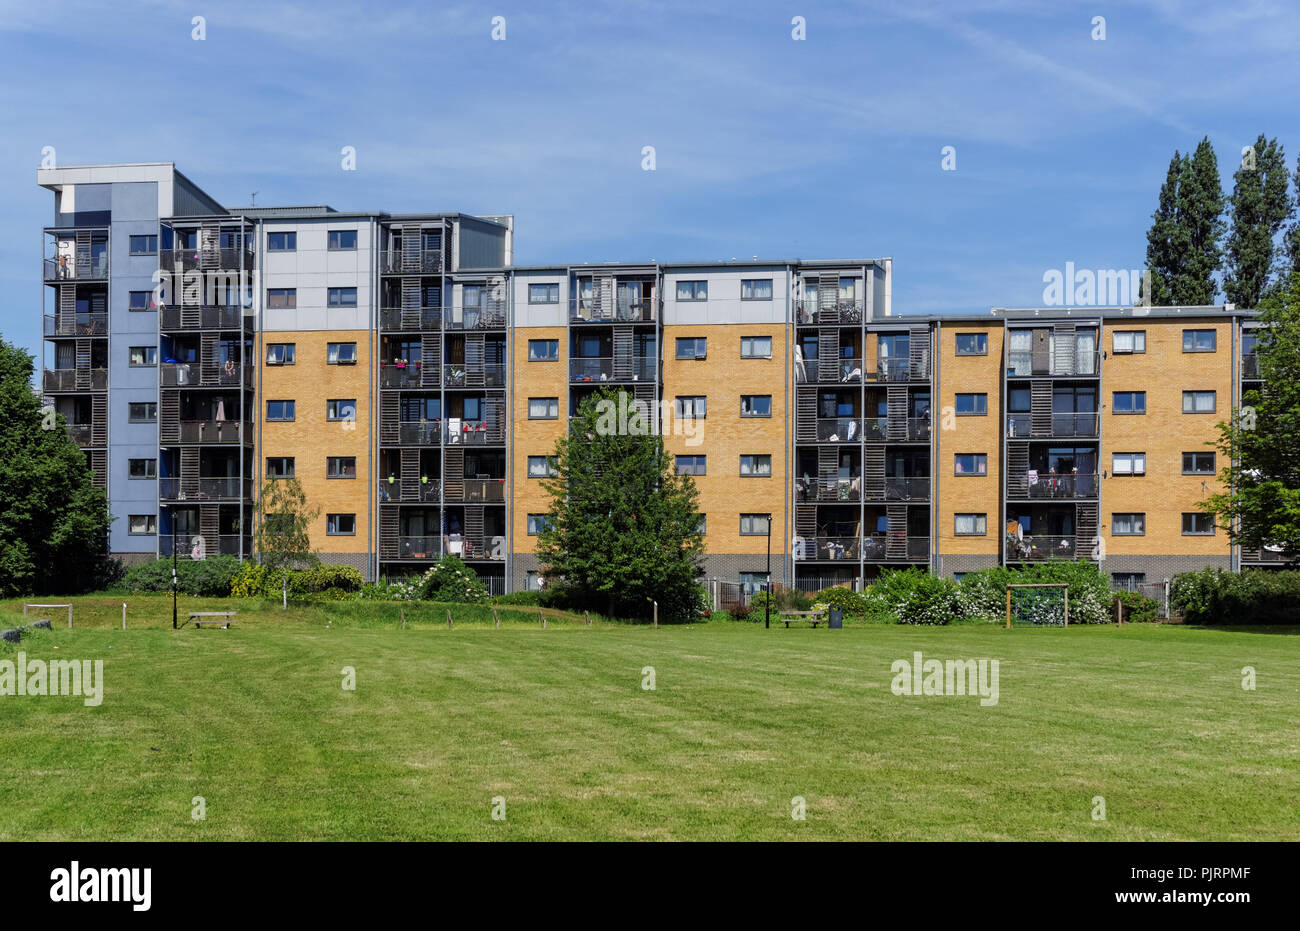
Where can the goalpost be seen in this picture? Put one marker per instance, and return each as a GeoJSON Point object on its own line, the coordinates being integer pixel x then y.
{"type": "Point", "coordinates": [1038, 604]}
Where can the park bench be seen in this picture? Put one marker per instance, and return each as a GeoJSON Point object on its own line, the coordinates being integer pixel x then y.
{"type": "Point", "coordinates": [811, 617]}
{"type": "Point", "coordinates": [198, 617]}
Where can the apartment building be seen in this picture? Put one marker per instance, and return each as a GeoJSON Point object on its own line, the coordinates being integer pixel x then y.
{"type": "Point", "coordinates": [415, 379]}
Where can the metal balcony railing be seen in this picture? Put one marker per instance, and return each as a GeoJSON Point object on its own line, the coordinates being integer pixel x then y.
{"type": "Point", "coordinates": [1033, 484]}
{"type": "Point", "coordinates": [226, 260]}
{"type": "Point", "coordinates": [481, 490]}
{"type": "Point", "coordinates": [1040, 546]}
{"type": "Point", "coordinates": [486, 547]}
{"type": "Point", "coordinates": [67, 268]}
{"type": "Point", "coordinates": [907, 489]}
{"type": "Point", "coordinates": [1063, 425]}
{"type": "Point", "coordinates": [417, 319]}
{"type": "Point", "coordinates": [412, 492]}
{"type": "Point", "coordinates": [425, 547]}
{"type": "Point", "coordinates": [415, 262]}
{"type": "Point", "coordinates": [839, 430]}
{"type": "Point", "coordinates": [1250, 366]}
{"type": "Point", "coordinates": [94, 379]}
{"type": "Point", "coordinates": [221, 545]}
{"type": "Point", "coordinates": [901, 370]}
{"type": "Point", "coordinates": [205, 489]}
{"type": "Point", "coordinates": [183, 319]}
{"type": "Point", "coordinates": [189, 375]}
{"type": "Point", "coordinates": [473, 318]}
{"type": "Point", "coordinates": [833, 490]}
{"type": "Point", "coordinates": [401, 376]}
{"type": "Point", "coordinates": [841, 313]}
{"type": "Point", "coordinates": [211, 431]}
{"type": "Point", "coordinates": [76, 325]}
{"type": "Point", "coordinates": [581, 311]}
{"type": "Point", "coordinates": [1078, 365]}
{"type": "Point", "coordinates": [80, 433]}
{"type": "Point", "coordinates": [876, 548]}
{"type": "Point", "coordinates": [833, 548]}
{"type": "Point", "coordinates": [460, 375]}
{"type": "Point", "coordinates": [419, 432]}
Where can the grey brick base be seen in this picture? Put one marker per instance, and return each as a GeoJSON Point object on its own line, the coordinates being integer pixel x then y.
{"type": "Point", "coordinates": [1158, 568]}
{"type": "Point", "coordinates": [359, 561]}
{"type": "Point", "coordinates": [946, 566]}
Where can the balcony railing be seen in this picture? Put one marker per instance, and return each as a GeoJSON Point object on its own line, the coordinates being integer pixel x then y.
{"type": "Point", "coordinates": [67, 268]}
{"type": "Point", "coordinates": [486, 547]}
{"type": "Point", "coordinates": [459, 375]}
{"type": "Point", "coordinates": [1040, 546]}
{"type": "Point", "coordinates": [842, 313]}
{"type": "Point", "coordinates": [80, 433]}
{"type": "Point", "coordinates": [906, 489]}
{"type": "Point", "coordinates": [473, 318]}
{"type": "Point", "coordinates": [189, 375]}
{"type": "Point", "coordinates": [76, 325]}
{"type": "Point", "coordinates": [414, 262]}
{"type": "Point", "coordinates": [1250, 366]}
{"type": "Point", "coordinates": [401, 376]}
{"type": "Point", "coordinates": [171, 318]}
{"type": "Point", "coordinates": [75, 379]}
{"type": "Point", "coordinates": [872, 429]}
{"type": "Point", "coordinates": [412, 492]}
{"type": "Point", "coordinates": [1063, 425]}
{"type": "Point", "coordinates": [211, 431]}
{"type": "Point", "coordinates": [1078, 365]}
{"type": "Point", "coordinates": [426, 547]}
{"type": "Point", "coordinates": [221, 545]}
{"type": "Point", "coordinates": [901, 370]}
{"type": "Point", "coordinates": [581, 311]}
{"type": "Point", "coordinates": [472, 433]}
{"type": "Point", "coordinates": [601, 369]}
{"type": "Point", "coordinates": [837, 489]}
{"type": "Point", "coordinates": [839, 430]}
{"type": "Point", "coordinates": [416, 319]}
{"type": "Point", "coordinates": [476, 490]}
{"type": "Point", "coordinates": [205, 489]}
{"type": "Point", "coordinates": [872, 548]}
{"type": "Point", "coordinates": [1033, 484]}
{"type": "Point", "coordinates": [230, 260]}
{"type": "Point", "coordinates": [429, 432]}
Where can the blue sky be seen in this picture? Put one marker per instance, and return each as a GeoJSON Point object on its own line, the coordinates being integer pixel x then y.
{"type": "Point", "coordinates": [766, 146]}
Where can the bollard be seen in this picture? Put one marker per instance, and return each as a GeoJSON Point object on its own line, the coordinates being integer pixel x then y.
{"type": "Point", "coordinates": [449, 618]}
{"type": "Point", "coordinates": [124, 615]}
{"type": "Point", "coordinates": [586, 616]}
{"type": "Point", "coordinates": [541, 617]}
{"type": "Point", "coordinates": [496, 619]}
{"type": "Point", "coordinates": [403, 619]}
{"type": "Point", "coordinates": [656, 615]}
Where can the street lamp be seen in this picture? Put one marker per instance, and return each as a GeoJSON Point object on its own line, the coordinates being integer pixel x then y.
{"type": "Point", "coordinates": [767, 606]}
{"type": "Point", "coordinates": [173, 516]}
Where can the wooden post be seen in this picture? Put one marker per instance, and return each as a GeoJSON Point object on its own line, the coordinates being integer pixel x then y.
{"type": "Point", "coordinates": [1008, 608]}
{"type": "Point", "coordinates": [1119, 612]}
{"type": "Point", "coordinates": [656, 604]}
{"type": "Point", "coordinates": [541, 617]}
{"type": "Point", "coordinates": [1067, 607]}
{"type": "Point", "coordinates": [403, 619]}
{"type": "Point", "coordinates": [586, 616]}
{"type": "Point", "coordinates": [496, 620]}
{"type": "Point", "coordinates": [69, 617]}
{"type": "Point", "coordinates": [124, 615]}
{"type": "Point", "coordinates": [449, 618]}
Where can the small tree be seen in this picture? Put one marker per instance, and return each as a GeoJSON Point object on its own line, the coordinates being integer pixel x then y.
{"type": "Point", "coordinates": [1260, 502]}
{"type": "Point", "coordinates": [283, 517]}
{"type": "Point", "coordinates": [623, 528]}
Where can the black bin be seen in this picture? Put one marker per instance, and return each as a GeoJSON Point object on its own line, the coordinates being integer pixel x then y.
{"type": "Point", "coordinates": [835, 618]}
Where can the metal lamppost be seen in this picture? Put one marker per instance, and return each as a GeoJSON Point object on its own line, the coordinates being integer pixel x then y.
{"type": "Point", "coordinates": [173, 570]}
{"type": "Point", "coordinates": [767, 606]}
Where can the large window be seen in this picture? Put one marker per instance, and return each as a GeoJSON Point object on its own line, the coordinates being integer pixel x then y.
{"type": "Point", "coordinates": [139, 300]}
{"type": "Point", "coordinates": [279, 466]}
{"type": "Point", "coordinates": [1199, 340]}
{"type": "Point", "coordinates": [142, 524]}
{"type": "Point", "coordinates": [144, 355]}
{"type": "Point", "coordinates": [754, 525]}
{"type": "Point", "coordinates": [341, 409]}
{"type": "Point", "coordinates": [692, 347]}
{"type": "Point", "coordinates": [537, 523]}
{"type": "Point", "coordinates": [690, 406]}
{"type": "Point", "coordinates": [755, 405]}
{"type": "Point", "coordinates": [340, 466]}
{"type": "Point", "coordinates": [1129, 464]}
{"type": "Point", "coordinates": [342, 297]}
{"type": "Point", "coordinates": [142, 412]}
{"type": "Point", "coordinates": [972, 344]}
{"type": "Point", "coordinates": [691, 465]}
{"type": "Point", "coordinates": [281, 298]}
{"type": "Point", "coordinates": [342, 240]}
{"type": "Point", "coordinates": [340, 525]}
{"type": "Point", "coordinates": [543, 408]}
{"type": "Point", "coordinates": [546, 293]}
{"type": "Point", "coordinates": [1129, 402]}
{"type": "Point", "coordinates": [142, 468]}
{"type": "Point", "coordinates": [692, 290]}
{"type": "Point", "coordinates": [756, 289]}
{"type": "Point", "coordinates": [756, 466]}
{"type": "Point", "coordinates": [972, 405]}
{"type": "Point", "coordinates": [1198, 402]}
{"type": "Point", "coordinates": [1198, 464]}
{"type": "Point", "coordinates": [970, 464]}
{"type": "Point", "coordinates": [543, 350]}
{"type": "Point", "coordinates": [1127, 341]}
{"type": "Point", "coordinates": [279, 410]}
{"type": "Point", "coordinates": [281, 353]}
{"type": "Point", "coordinates": [756, 347]}
{"type": "Point", "coordinates": [970, 525]}
{"type": "Point", "coordinates": [341, 354]}
{"type": "Point", "coordinates": [1198, 525]}
{"type": "Point", "coordinates": [541, 467]}
{"type": "Point", "coordinates": [281, 242]}
{"type": "Point", "coordinates": [144, 245]}
{"type": "Point", "coordinates": [1128, 525]}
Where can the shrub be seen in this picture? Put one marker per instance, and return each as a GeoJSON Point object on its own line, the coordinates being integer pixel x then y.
{"type": "Point", "coordinates": [846, 599]}
{"type": "Point", "coordinates": [207, 578]}
{"type": "Point", "coordinates": [914, 596]}
{"type": "Point", "coordinates": [327, 583]}
{"type": "Point", "coordinates": [1215, 596]}
{"type": "Point", "coordinates": [1138, 608]}
{"type": "Point", "coordinates": [452, 580]}
{"type": "Point", "coordinates": [529, 599]}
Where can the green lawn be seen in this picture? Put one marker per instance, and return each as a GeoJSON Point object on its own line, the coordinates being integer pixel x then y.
{"type": "Point", "coordinates": [254, 719]}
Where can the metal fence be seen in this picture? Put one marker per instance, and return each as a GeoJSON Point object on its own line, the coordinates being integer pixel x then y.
{"type": "Point", "coordinates": [1159, 591]}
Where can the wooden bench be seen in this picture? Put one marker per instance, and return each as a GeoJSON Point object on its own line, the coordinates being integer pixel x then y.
{"type": "Point", "coordinates": [811, 617]}
{"type": "Point", "coordinates": [198, 616]}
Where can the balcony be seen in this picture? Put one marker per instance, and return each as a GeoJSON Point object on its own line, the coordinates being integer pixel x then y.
{"type": "Point", "coordinates": [838, 430]}
{"type": "Point", "coordinates": [417, 319]}
{"type": "Point", "coordinates": [80, 379]}
{"type": "Point", "coordinates": [75, 325]}
{"type": "Point", "coordinates": [222, 545]}
{"type": "Point", "coordinates": [459, 375]}
{"type": "Point", "coordinates": [1250, 366]}
{"type": "Point", "coordinates": [485, 547]}
{"type": "Point", "coordinates": [410, 262]}
{"type": "Point", "coordinates": [194, 375]}
{"type": "Point", "coordinates": [481, 491]}
{"type": "Point", "coordinates": [901, 370]}
{"type": "Point", "coordinates": [1043, 485]}
{"type": "Point", "coordinates": [204, 489]}
{"type": "Point", "coordinates": [1063, 425]}
{"type": "Point", "coordinates": [401, 376]}
{"type": "Point", "coordinates": [410, 492]}
{"type": "Point", "coordinates": [419, 433]}
{"type": "Point", "coordinates": [877, 548]}
{"type": "Point", "coordinates": [426, 547]}
{"type": "Point", "coordinates": [473, 318]}
{"type": "Point", "coordinates": [472, 433]}
{"type": "Point", "coordinates": [594, 370]}
{"type": "Point", "coordinates": [906, 488]}
{"type": "Point", "coordinates": [214, 432]}
{"type": "Point", "coordinates": [1039, 546]}
{"type": "Point", "coordinates": [431, 432]}
{"type": "Point", "coordinates": [81, 434]}
{"type": "Point", "coordinates": [582, 311]}
{"type": "Point", "coordinates": [67, 268]}
{"type": "Point", "coordinates": [205, 259]}
{"type": "Point", "coordinates": [182, 319]}
{"type": "Point", "coordinates": [842, 313]}
{"type": "Point", "coordinates": [1078, 365]}
{"type": "Point", "coordinates": [845, 372]}
{"type": "Point", "coordinates": [836, 490]}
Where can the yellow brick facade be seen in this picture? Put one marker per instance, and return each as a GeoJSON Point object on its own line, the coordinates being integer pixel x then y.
{"type": "Point", "coordinates": [534, 437]}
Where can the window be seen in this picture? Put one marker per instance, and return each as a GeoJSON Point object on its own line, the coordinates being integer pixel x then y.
{"type": "Point", "coordinates": [144, 355]}
{"type": "Point", "coordinates": [1126, 341]}
{"type": "Point", "coordinates": [970, 525]}
{"type": "Point", "coordinates": [690, 406]}
{"type": "Point", "coordinates": [342, 297]}
{"type": "Point", "coordinates": [971, 464]}
{"type": "Point", "coordinates": [279, 410]}
{"type": "Point", "coordinates": [692, 290]}
{"type": "Point", "coordinates": [543, 408]}
{"type": "Point", "coordinates": [537, 523]}
{"type": "Point", "coordinates": [972, 405]}
{"type": "Point", "coordinates": [281, 353]}
{"type": "Point", "coordinates": [757, 466]}
{"type": "Point", "coordinates": [279, 298]}
{"type": "Point", "coordinates": [972, 344]}
{"type": "Point", "coordinates": [754, 525]}
{"type": "Point", "coordinates": [342, 240]}
{"type": "Point", "coordinates": [340, 466]}
{"type": "Point", "coordinates": [142, 468]}
{"type": "Point", "coordinates": [279, 466]}
{"type": "Point", "coordinates": [142, 412]}
{"type": "Point", "coordinates": [703, 527]}
{"type": "Point", "coordinates": [143, 524]}
{"type": "Point", "coordinates": [1128, 525]}
{"type": "Point", "coordinates": [692, 347]}
{"type": "Point", "coordinates": [1129, 402]}
{"type": "Point", "coordinates": [1198, 402]}
{"type": "Point", "coordinates": [532, 581]}
{"type": "Point", "coordinates": [1198, 525]}
{"type": "Point", "coordinates": [543, 350]}
{"type": "Point", "coordinates": [340, 525]}
{"type": "Point", "coordinates": [544, 293]}
{"type": "Point", "coordinates": [541, 467]}
{"type": "Point", "coordinates": [341, 409]}
{"type": "Point", "coordinates": [1128, 464]}
{"type": "Point", "coordinates": [140, 300]}
{"type": "Point", "coordinates": [756, 347]}
{"type": "Point", "coordinates": [1198, 463]}
{"type": "Point", "coordinates": [691, 465]}
{"type": "Point", "coordinates": [144, 245]}
{"type": "Point", "coordinates": [341, 354]}
{"type": "Point", "coordinates": [756, 289]}
{"type": "Point", "coordinates": [1128, 581]}
{"type": "Point", "coordinates": [281, 242]}
{"type": "Point", "coordinates": [755, 405]}
{"type": "Point", "coordinates": [1199, 340]}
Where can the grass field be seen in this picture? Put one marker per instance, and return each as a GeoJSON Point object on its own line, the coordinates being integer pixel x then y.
{"type": "Point", "coordinates": [254, 719]}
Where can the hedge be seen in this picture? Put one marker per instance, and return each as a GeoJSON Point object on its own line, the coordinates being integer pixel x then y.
{"type": "Point", "coordinates": [205, 578]}
{"type": "Point", "coordinates": [1254, 596]}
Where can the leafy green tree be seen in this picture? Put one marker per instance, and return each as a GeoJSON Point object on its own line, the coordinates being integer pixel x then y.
{"type": "Point", "coordinates": [283, 516]}
{"type": "Point", "coordinates": [1184, 242]}
{"type": "Point", "coordinates": [1258, 206]}
{"type": "Point", "coordinates": [623, 527]}
{"type": "Point", "coordinates": [1291, 242]}
{"type": "Point", "coordinates": [1166, 239]}
{"type": "Point", "coordinates": [1260, 502]}
{"type": "Point", "coordinates": [53, 520]}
